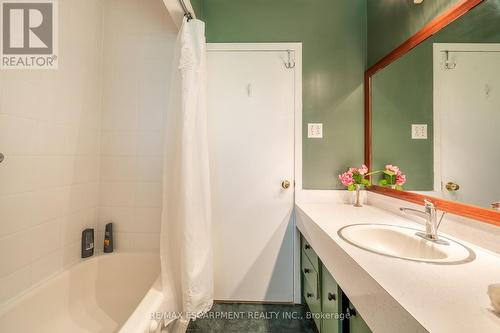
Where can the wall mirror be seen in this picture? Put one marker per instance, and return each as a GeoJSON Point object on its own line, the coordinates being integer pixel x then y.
{"type": "Point", "coordinates": [433, 110]}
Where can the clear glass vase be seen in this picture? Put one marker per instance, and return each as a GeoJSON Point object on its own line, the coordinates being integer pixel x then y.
{"type": "Point", "coordinates": [357, 192]}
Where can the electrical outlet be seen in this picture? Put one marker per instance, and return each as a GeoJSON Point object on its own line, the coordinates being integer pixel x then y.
{"type": "Point", "coordinates": [315, 130]}
{"type": "Point", "coordinates": [419, 131]}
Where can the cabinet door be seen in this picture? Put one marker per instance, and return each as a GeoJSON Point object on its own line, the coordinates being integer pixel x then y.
{"type": "Point", "coordinates": [313, 302]}
{"type": "Point", "coordinates": [310, 274]}
{"type": "Point", "coordinates": [309, 251]}
{"type": "Point", "coordinates": [356, 323]}
{"type": "Point", "coordinates": [331, 299]}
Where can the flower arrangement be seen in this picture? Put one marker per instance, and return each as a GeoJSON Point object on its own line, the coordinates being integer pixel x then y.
{"type": "Point", "coordinates": [355, 176]}
{"type": "Point", "coordinates": [393, 177]}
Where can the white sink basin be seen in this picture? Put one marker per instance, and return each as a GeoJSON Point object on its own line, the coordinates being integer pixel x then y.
{"type": "Point", "coordinates": [402, 242]}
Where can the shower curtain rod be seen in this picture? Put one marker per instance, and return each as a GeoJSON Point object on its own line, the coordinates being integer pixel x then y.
{"type": "Point", "coordinates": [187, 14]}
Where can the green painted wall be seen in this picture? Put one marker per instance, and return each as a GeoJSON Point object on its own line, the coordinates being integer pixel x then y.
{"type": "Point", "coordinates": [403, 94]}
{"type": "Point", "coordinates": [198, 8]}
{"type": "Point", "coordinates": [390, 23]}
{"type": "Point", "coordinates": [333, 34]}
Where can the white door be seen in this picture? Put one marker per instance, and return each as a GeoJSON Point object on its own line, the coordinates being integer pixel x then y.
{"type": "Point", "coordinates": [469, 111]}
{"type": "Point", "coordinates": [251, 134]}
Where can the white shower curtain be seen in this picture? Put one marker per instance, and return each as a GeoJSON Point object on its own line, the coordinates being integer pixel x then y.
{"type": "Point", "coordinates": [185, 244]}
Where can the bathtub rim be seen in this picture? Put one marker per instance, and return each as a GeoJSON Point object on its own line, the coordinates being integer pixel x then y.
{"type": "Point", "coordinates": [25, 294]}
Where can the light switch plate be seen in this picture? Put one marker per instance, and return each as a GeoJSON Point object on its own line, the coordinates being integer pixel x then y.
{"type": "Point", "coordinates": [419, 131]}
{"type": "Point", "coordinates": [315, 130]}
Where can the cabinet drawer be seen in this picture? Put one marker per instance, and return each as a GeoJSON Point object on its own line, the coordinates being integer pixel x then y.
{"type": "Point", "coordinates": [308, 250]}
{"type": "Point", "coordinates": [310, 274]}
{"type": "Point", "coordinates": [331, 301]}
{"type": "Point", "coordinates": [314, 303]}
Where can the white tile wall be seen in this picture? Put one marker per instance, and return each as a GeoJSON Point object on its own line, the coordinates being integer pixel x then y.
{"type": "Point", "coordinates": [138, 43]}
{"type": "Point", "coordinates": [83, 143]}
{"type": "Point", "coordinates": [50, 135]}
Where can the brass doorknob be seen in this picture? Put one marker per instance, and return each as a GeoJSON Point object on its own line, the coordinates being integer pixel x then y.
{"type": "Point", "coordinates": [452, 187]}
{"type": "Point", "coordinates": [285, 184]}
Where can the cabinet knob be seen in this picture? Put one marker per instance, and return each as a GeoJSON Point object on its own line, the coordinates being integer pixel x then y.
{"type": "Point", "coordinates": [2, 157]}
{"type": "Point", "coordinates": [307, 270]}
{"type": "Point", "coordinates": [332, 297]}
{"type": "Point", "coordinates": [352, 312]}
{"type": "Point", "coordinates": [309, 295]}
{"type": "Point", "coordinates": [307, 246]}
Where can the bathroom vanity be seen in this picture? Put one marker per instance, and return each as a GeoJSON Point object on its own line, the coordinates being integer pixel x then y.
{"type": "Point", "coordinates": [390, 294]}
{"type": "Point", "coordinates": [331, 310]}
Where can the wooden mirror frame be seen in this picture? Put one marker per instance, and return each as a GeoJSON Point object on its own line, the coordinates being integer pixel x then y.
{"type": "Point", "coordinates": [457, 208]}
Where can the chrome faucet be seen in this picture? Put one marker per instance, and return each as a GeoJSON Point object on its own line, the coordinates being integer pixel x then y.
{"type": "Point", "coordinates": [430, 216]}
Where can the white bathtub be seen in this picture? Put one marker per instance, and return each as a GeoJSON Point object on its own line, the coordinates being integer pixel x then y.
{"type": "Point", "coordinates": [108, 293]}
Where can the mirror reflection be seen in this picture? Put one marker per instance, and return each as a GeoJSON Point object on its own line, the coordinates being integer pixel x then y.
{"type": "Point", "coordinates": [436, 112]}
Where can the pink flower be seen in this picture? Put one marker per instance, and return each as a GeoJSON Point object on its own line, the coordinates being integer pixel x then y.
{"type": "Point", "coordinates": [400, 179]}
{"type": "Point", "coordinates": [393, 168]}
{"type": "Point", "coordinates": [346, 178]}
{"type": "Point", "coordinates": [355, 176]}
{"type": "Point", "coordinates": [363, 170]}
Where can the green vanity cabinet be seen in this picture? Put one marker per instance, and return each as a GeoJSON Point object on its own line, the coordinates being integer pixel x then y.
{"type": "Point", "coordinates": [311, 275]}
{"type": "Point", "coordinates": [356, 323]}
{"type": "Point", "coordinates": [314, 303]}
{"type": "Point", "coordinates": [311, 280]}
{"type": "Point", "coordinates": [331, 302]}
{"type": "Point", "coordinates": [308, 251]}
{"type": "Point", "coordinates": [325, 298]}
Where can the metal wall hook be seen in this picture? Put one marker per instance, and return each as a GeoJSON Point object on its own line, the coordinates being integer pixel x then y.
{"type": "Point", "coordinates": [290, 64]}
{"type": "Point", "coordinates": [487, 90]}
{"type": "Point", "coordinates": [448, 64]}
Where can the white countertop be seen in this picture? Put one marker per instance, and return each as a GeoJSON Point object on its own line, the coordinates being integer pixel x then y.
{"type": "Point", "coordinates": [441, 298]}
